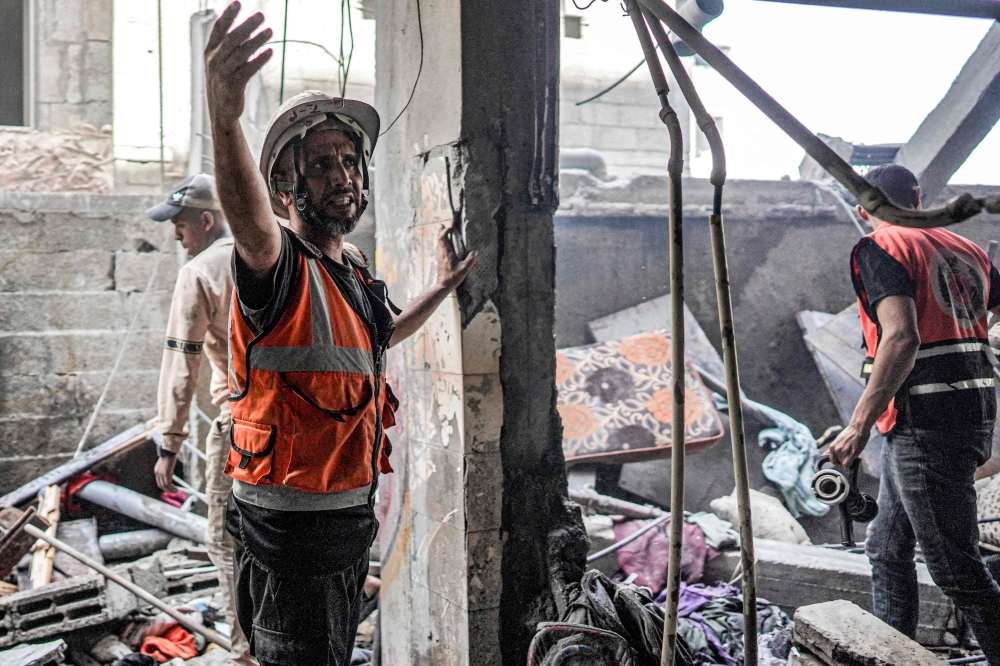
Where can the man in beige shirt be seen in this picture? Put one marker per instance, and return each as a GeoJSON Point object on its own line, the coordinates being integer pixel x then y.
{"type": "Point", "coordinates": [199, 321]}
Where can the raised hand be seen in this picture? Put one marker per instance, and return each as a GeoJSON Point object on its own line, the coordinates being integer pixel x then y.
{"type": "Point", "coordinates": [229, 65]}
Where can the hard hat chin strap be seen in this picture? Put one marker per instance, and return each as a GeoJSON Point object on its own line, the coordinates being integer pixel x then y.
{"type": "Point", "coordinates": [308, 210]}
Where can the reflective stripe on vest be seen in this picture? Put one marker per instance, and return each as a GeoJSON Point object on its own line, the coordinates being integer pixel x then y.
{"type": "Point", "coordinates": [921, 389]}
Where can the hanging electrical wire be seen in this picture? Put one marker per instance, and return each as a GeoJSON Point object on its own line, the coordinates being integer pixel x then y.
{"type": "Point", "coordinates": [344, 62]}
{"type": "Point", "coordinates": [284, 41]}
{"type": "Point", "coordinates": [420, 68]}
{"type": "Point", "coordinates": [615, 84]}
{"type": "Point", "coordinates": [303, 41]}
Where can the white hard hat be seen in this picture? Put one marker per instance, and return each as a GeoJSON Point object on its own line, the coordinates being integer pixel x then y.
{"type": "Point", "coordinates": [299, 114]}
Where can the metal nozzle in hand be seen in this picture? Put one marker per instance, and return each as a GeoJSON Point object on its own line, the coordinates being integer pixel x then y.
{"type": "Point", "coordinates": [835, 486]}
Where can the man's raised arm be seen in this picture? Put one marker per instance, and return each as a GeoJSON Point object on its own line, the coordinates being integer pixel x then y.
{"type": "Point", "coordinates": [229, 65]}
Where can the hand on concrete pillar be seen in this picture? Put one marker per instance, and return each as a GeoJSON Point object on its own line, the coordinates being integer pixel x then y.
{"type": "Point", "coordinates": [228, 63]}
{"type": "Point", "coordinates": [450, 271]}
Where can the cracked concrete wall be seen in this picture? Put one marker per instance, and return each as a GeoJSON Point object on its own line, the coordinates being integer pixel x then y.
{"type": "Point", "coordinates": [73, 269]}
{"type": "Point", "coordinates": [474, 520]}
{"type": "Point", "coordinates": [788, 246]}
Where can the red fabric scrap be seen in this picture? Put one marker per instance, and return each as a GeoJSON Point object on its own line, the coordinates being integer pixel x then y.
{"type": "Point", "coordinates": [178, 642]}
{"type": "Point", "coordinates": [69, 506]}
{"type": "Point", "coordinates": [175, 498]}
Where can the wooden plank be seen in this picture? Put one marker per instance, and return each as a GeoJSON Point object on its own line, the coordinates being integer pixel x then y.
{"type": "Point", "coordinates": [117, 445]}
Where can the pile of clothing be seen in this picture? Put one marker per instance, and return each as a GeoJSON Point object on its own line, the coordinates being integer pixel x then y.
{"type": "Point", "coordinates": [711, 622]}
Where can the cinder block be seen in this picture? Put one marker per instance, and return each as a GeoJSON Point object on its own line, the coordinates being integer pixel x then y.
{"type": "Point", "coordinates": [74, 73]}
{"type": "Point", "coordinates": [79, 602]}
{"type": "Point", "coordinates": [82, 270]}
{"type": "Point", "coordinates": [97, 72]}
{"type": "Point", "coordinates": [132, 270]}
{"type": "Point", "coordinates": [76, 394]}
{"type": "Point", "coordinates": [841, 633]}
{"type": "Point", "coordinates": [50, 435]}
{"type": "Point", "coordinates": [98, 19]}
{"type": "Point", "coordinates": [62, 21]}
{"type": "Point", "coordinates": [793, 576]}
{"type": "Point", "coordinates": [47, 230]}
{"type": "Point", "coordinates": [30, 353]}
{"type": "Point", "coordinates": [62, 311]}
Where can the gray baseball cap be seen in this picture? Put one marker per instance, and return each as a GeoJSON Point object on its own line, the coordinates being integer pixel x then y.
{"type": "Point", "coordinates": [197, 191]}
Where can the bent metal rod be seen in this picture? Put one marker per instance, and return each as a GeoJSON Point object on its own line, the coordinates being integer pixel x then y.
{"type": "Point", "coordinates": [718, 177]}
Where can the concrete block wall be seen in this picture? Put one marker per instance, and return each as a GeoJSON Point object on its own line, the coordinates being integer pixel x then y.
{"type": "Point", "coordinates": [623, 125]}
{"type": "Point", "coordinates": [72, 69]}
{"type": "Point", "coordinates": [73, 272]}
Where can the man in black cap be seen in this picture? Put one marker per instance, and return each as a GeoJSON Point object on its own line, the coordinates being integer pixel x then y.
{"type": "Point", "coordinates": [199, 320]}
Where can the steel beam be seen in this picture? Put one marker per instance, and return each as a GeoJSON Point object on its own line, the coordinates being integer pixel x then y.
{"type": "Point", "coordinates": [960, 121]}
{"type": "Point", "coordinates": [989, 9]}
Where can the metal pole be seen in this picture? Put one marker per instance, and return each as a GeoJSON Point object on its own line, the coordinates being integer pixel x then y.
{"type": "Point", "coordinates": [183, 620]}
{"type": "Point", "coordinates": [675, 168]}
{"type": "Point", "coordinates": [871, 198]}
{"type": "Point", "coordinates": [145, 509]}
{"type": "Point", "coordinates": [736, 430]}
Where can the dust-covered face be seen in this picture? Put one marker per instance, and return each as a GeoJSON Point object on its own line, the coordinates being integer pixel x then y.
{"type": "Point", "coordinates": [332, 172]}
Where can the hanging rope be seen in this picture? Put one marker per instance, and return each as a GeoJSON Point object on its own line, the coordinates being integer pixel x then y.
{"type": "Point", "coordinates": [121, 355]}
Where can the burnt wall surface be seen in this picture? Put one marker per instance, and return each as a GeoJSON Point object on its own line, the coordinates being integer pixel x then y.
{"type": "Point", "coordinates": [73, 272]}
{"type": "Point", "coordinates": [788, 245]}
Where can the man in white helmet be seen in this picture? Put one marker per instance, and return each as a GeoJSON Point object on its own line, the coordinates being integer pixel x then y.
{"type": "Point", "coordinates": [308, 332]}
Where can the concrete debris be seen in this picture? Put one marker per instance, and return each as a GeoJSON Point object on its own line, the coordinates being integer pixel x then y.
{"type": "Point", "coordinates": [82, 535]}
{"type": "Point", "coordinates": [41, 654]}
{"type": "Point", "coordinates": [794, 576]}
{"type": "Point", "coordinates": [839, 633]}
{"type": "Point", "coordinates": [81, 601]}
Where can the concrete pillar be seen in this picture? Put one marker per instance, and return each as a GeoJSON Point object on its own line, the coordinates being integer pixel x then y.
{"type": "Point", "coordinates": [477, 538]}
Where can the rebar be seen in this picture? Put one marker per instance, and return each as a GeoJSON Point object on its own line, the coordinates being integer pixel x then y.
{"type": "Point", "coordinates": [675, 168]}
{"type": "Point", "coordinates": [723, 294]}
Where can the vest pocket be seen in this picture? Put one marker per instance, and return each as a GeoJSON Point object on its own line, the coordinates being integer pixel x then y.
{"type": "Point", "coordinates": [252, 444]}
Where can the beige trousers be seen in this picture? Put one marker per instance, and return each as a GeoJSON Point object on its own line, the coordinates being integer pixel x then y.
{"type": "Point", "coordinates": [218, 541]}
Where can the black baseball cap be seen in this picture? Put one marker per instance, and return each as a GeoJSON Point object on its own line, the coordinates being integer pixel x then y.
{"type": "Point", "coordinates": [197, 191]}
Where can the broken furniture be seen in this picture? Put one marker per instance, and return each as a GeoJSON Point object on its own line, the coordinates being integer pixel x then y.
{"type": "Point", "coordinates": [793, 576]}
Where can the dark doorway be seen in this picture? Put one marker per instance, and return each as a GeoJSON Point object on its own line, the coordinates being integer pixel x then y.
{"type": "Point", "coordinates": [12, 62]}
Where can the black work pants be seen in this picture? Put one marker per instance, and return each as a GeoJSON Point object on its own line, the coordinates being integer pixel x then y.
{"type": "Point", "coordinates": [297, 620]}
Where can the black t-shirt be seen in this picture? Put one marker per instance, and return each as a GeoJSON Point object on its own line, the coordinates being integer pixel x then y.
{"type": "Point", "coordinates": [315, 542]}
{"type": "Point", "coordinates": [882, 275]}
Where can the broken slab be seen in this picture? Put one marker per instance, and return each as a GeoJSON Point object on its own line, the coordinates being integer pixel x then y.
{"type": "Point", "coordinates": [42, 654]}
{"type": "Point", "coordinates": [82, 535]}
{"type": "Point", "coordinates": [793, 575]}
{"type": "Point", "coordinates": [841, 633]}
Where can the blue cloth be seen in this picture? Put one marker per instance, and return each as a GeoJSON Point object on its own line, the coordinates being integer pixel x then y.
{"type": "Point", "coordinates": [791, 462]}
{"type": "Point", "coordinates": [927, 495]}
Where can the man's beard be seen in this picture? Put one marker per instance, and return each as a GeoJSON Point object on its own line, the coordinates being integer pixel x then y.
{"type": "Point", "coordinates": [320, 226]}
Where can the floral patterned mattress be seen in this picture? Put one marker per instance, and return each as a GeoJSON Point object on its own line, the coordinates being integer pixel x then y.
{"type": "Point", "coordinates": [615, 401]}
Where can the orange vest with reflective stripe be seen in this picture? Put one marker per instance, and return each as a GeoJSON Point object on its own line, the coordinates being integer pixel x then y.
{"type": "Point", "coordinates": [953, 369]}
{"type": "Point", "coordinates": [308, 397]}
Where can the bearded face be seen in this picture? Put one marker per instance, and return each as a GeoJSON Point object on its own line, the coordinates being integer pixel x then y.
{"type": "Point", "coordinates": [332, 181]}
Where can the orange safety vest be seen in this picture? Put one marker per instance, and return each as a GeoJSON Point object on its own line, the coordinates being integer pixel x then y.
{"type": "Point", "coordinates": [308, 397]}
{"type": "Point", "coordinates": [953, 372]}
